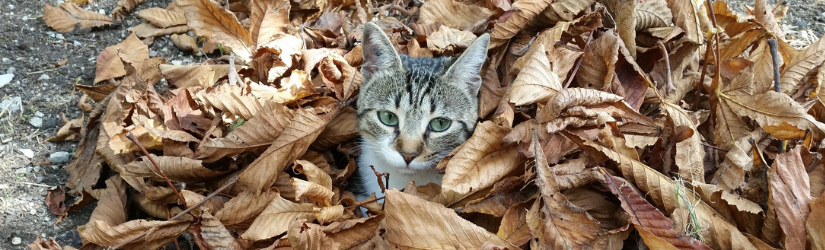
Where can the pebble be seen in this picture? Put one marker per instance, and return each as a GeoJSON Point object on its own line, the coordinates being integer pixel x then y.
{"type": "Point", "coordinates": [59, 157]}
{"type": "Point", "coordinates": [36, 122]}
{"type": "Point", "coordinates": [153, 53]}
{"type": "Point", "coordinates": [177, 62]}
{"type": "Point", "coordinates": [10, 70]}
{"type": "Point", "coordinates": [55, 167]}
{"type": "Point", "coordinates": [802, 24]}
{"type": "Point", "coordinates": [6, 60]}
{"type": "Point", "coordinates": [39, 114]}
{"type": "Point", "coordinates": [50, 123]}
{"type": "Point", "coordinates": [77, 44]}
{"type": "Point", "coordinates": [33, 211]}
{"type": "Point", "coordinates": [28, 153]}
{"type": "Point", "coordinates": [5, 79]}
{"type": "Point", "coordinates": [40, 179]}
{"type": "Point", "coordinates": [36, 169]}
{"type": "Point", "coordinates": [101, 11]}
{"type": "Point", "coordinates": [21, 171]}
{"type": "Point", "coordinates": [44, 77]}
{"type": "Point", "coordinates": [12, 104]}
{"type": "Point", "coordinates": [59, 36]}
{"type": "Point", "coordinates": [16, 241]}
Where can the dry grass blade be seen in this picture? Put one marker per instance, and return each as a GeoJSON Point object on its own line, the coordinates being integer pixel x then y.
{"type": "Point", "coordinates": [68, 17]}
{"type": "Point", "coordinates": [430, 225]}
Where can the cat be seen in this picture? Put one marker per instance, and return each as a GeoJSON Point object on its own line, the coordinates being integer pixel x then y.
{"type": "Point", "coordinates": [412, 111]}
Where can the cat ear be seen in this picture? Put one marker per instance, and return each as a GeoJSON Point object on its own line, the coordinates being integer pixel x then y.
{"type": "Point", "coordinates": [466, 70]}
{"type": "Point", "coordinates": [377, 51]}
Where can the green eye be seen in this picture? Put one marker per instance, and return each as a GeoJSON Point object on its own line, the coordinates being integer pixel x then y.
{"type": "Point", "coordinates": [440, 124]}
{"type": "Point", "coordinates": [388, 118]}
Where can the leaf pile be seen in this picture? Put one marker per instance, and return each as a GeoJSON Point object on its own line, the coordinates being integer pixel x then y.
{"type": "Point", "coordinates": [602, 124]}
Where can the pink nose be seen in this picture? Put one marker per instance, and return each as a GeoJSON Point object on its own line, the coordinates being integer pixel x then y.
{"type": "Point", "coordinates": [409, 157]}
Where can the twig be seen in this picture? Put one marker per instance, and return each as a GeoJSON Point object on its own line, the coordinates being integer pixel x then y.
{"type": "Point", "coordinates": [177, 216]}
{"type": "Point", "coordinates": [378, 176]}
{"type": "Point", "coordinates": [579, 60]}
{"type": "Point", "coordinates": [403, 10]}
{"type": "Point", "coordinates": [776, 85]}
{"type": "Point", "coordinates": [34, 184]}
{"type": "Point", "coordinates": [670, 89]}
{"type": "Point", "coordinates": [41, 71]}
{"type": "Point", "coordinates": [714, 147]}
{"type": "Point", "coordinates": [181, 200]}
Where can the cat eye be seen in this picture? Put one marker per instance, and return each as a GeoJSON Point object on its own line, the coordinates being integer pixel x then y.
{"type": "Point", "coordinates": [388, 118]}
{"type": "Point", "coordinates": [439, 124]}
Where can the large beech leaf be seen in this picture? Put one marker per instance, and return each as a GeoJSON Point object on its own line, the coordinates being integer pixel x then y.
{"type": "Point", "coordinates": [218, 25]}
{"type": "Point", "coordinates": [68, 17]}
{"type": "Point", "coordinates": [429, 225]}
{"type": "Point", "coordinates": [478, 164]}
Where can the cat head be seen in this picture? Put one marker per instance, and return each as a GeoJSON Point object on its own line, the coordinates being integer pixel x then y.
{"type": "Point", "coordinates": [413, 111]}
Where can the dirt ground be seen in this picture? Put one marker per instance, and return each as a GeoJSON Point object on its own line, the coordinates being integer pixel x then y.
{"type": "Point", "coordinates": [40, 92]}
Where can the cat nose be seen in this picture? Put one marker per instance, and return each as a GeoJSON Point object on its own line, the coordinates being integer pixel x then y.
{"type": "Point", "coordinates": [409, 157]}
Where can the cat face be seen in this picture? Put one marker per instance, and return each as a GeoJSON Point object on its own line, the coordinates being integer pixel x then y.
{"type": "Point", "coordinates": [414, 111]}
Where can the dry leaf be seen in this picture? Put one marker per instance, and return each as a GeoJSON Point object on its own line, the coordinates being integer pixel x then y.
{"type": "Point", "coordinates": [162, 18]}
{"type": "Point", "coordinates": [421, 219]}
{"type": "Point", "coordinates": [185, 42]}
{"type": "Point", "coordinates": [454, 14]}
{"type": "Point", "coordinates": [68, 16]}
{"type": "Point", "coordinates": [218, 25]}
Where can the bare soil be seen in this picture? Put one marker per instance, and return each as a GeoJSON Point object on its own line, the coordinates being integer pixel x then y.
{"type": "Point", "coordinates": [29, 49]}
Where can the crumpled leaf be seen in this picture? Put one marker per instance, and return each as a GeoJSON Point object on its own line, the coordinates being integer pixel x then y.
{"type": "Point", "coordinates": [790, 190]}
{"type": "Point", "coordinates": [478, 163]}
{"type": "Point", "coordinates": [421, 219]}
{"type": "Point", "coordinates": [536, 82]}
{"type": "Point", "coordinates": [68, 16]}
{"type": "Point", "coordinates": [274, 220]}
{"type": "Point", "coordinates": [162, 18]}
{"type": "Point", "coordinates": [218, 25]}
{"type": "Point", "coordinates": [453, 14]}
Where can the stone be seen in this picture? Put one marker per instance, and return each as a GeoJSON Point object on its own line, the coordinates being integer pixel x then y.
{"type": "Point", "coordinates": [13, 104]}
{"type": "Point", "coordinates": [28, 153]}
{"type": "Point", "coordinates": [59, 36]}
{"type": "Point", "coordinates": [50, 123]}
{"type": "Point", "coordinates": [40, 179]}
{"type": "Point", "coordinates": [10, 70]}
{"type": "Point", "coordinates": [36, 122]}
{"type": "Point", "coordinates": [59, 157]}
{"type": "Point", "coordinates": [6, 60]}
{"type": "Point", "coordinates": [5, 79]}
{"type": "Point", "coordinates": [16, 241]}
{"type": "Point", "coordinates": [76, 43]}
{"type": "Point", "coordinates": [36, 169]}
{"type": "Point", "coordinates": [39, 114]}
{"type": "Point", "coordinates": [21, 171]}
{"type": "Point", "coordinates": [44, 77]}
